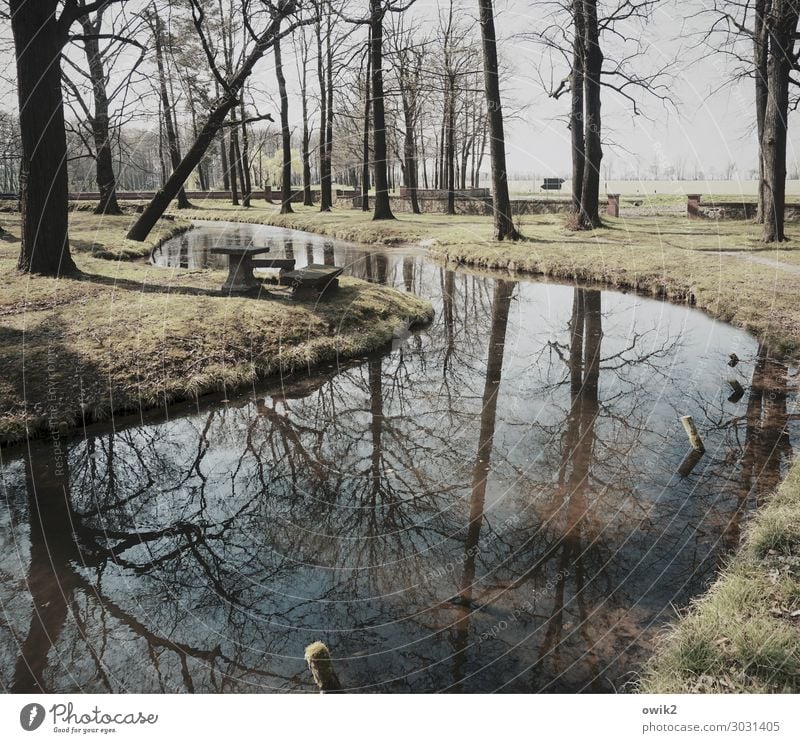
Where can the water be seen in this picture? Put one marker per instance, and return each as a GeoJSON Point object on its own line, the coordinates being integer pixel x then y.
{"type": "Point", "coordinates": [493, 504]}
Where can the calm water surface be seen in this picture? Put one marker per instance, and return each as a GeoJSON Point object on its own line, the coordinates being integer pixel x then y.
{"type": "Point", "coordinates": [501, 501]}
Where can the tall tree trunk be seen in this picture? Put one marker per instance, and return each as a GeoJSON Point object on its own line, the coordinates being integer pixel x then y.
{"type": "Point", "coordinates": [783, 22]}
{"type": "Point", "coordinates": [106, 180]}
{"type": "Point", "coordinates": [503, 223]}
{"type": "Point", "coordinates": [365, 138]}
{"type": "Point", "coordinates": [286, 134]}
{"type": "Point", "coordinates": [44, 196]}
{"type": "Point", "coordinates": [169, 124]}
{"type": "Point", "coordinates": [327, 184]}
{"type": "Point", "coordinates": [590, 195]}
{"type": "Point", "coordinates": [308, 199]}
{"type": "Point", "coordinates": [383, 209]}
{"type": "Point", "coordinates": [576, 107]}
{"type": "Point", "coordinates": [450, 148]}
{"type": "Point", "coordinates": [233, 159]}
{"type": "Point", "coordinates": [409, 150]}
{"type": "Point", "coordinates": [247, 183]}
{"type": "Point", "coordinates": [324, 194]}
{"type": "Point", "coordinates": [761, 59]}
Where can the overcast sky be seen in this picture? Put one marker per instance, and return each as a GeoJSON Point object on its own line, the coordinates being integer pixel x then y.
{"type": "Point", "coordinates": [709, 128]}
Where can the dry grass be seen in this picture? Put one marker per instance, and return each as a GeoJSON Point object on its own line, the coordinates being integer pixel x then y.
{"type": "Point", "coordinates": [125, 336]}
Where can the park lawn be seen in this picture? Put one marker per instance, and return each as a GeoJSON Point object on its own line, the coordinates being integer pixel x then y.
{"type": "Point", "coordinates": [743, 635]}
{"type": "Point", "coordinates": [127, 336]}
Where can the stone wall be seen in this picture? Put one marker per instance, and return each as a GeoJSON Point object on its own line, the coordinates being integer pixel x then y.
{"type": "Point", "coordinates": [483, 206]}
{"type": "Point", "coordinates": [744, 210]}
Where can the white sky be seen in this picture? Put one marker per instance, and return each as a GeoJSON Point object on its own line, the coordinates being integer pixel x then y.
{"type": "Point", "coordinates": [703, 132]}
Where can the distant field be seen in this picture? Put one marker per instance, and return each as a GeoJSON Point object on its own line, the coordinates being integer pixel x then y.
{"type": "Point", "coordinates": [660, 191]}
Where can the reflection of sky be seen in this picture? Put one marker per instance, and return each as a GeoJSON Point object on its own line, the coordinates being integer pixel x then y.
{"type": "Point", "coordinates": [307, 525]}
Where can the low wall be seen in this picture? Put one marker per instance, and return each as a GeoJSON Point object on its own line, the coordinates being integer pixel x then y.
{"type": "Point", "coordinates": [482, 206]}
{"type": "Point", "coordinates": [744, 210]}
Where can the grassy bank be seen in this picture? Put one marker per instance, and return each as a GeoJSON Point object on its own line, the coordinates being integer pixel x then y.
{"type": "Point", "coordinates": [126, 335]}
{"type": "Point", "coordinates": [744, 634]}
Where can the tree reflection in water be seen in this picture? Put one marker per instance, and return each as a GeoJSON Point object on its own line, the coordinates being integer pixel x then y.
{"type": "Point", "coordinates": [494, 504]}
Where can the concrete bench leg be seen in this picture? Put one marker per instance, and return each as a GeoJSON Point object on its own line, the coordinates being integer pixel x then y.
{"type": "Point", "coordinates": [240, 275]}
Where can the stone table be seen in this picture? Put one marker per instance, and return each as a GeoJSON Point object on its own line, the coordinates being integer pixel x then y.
{"type": "Point", "coordinates": [240, 267]}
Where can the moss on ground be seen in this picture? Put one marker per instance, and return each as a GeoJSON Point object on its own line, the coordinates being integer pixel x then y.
{"type": "Point", "coordinates": [125, 336]}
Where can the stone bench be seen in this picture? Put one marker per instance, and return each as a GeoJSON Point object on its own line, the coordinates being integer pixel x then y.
{"type": "Point", "coordinates": [312, 280]}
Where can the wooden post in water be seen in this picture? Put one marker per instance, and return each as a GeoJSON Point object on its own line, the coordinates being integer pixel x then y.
{"type": "Point", "coordinates": [738, 391]}
{"type": "Point", "coordinates": [320, 664]}
{"type": "Point", "coordinates": [691, 432]}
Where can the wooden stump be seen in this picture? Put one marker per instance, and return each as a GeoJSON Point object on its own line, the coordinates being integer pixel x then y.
{"type": "Point", "coordinates": [320, 663]}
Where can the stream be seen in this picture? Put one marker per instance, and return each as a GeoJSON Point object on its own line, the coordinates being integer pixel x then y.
{"type": "Point", "coordinates": [502, 501]}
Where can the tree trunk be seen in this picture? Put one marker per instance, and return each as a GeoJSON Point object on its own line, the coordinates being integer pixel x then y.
{"type": "Point", "coordinates": [590, 195]}
{"type": "Point", "coordinates": [44, 197]}
{"type": "Point", "coordinates": [169, 125]}
{"type": "Point", "coordinates": [308, 199]}
{"type": "Point", "coordinates": [222, 107]}
{"type": "Point", "coordinates": [503, 223]}
{"type": "Point", "coordinates": [383, 209]}
{"type": "Point", "coordinates": [761, 59]}
{"type": "Point", "coordinates": [783, 21]}
{"type": "Point", "coordinates": [233, 159]}
{"type": "Point", "coordinates": [286, 134]}
{"type": "Point", "coordinates": [450, 148]}
{"type": "Point", "coordinates": [365, 140]}
{"type": "Point", "coordinates": [410, 152]}
{"type": "Point", "coordinates": [247, 183]}
{"type": "Point", "coordinates": [324, 194]}
{"type": "Point", "coordinates": [106, 181]}
{"type": "Point", "coordinates": [576, 107]}
{"type": "Point", "coordinates": [327, 184]}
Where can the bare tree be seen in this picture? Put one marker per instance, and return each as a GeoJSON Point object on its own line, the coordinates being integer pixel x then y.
{"type": "Point", "coordinates": [40, 33]}
{"type": "Point", "coordinates": [231, 87]}
{"type": "Point", "coordinates": [97, 117]}
{"type": "Point", "coordinates": [501, 203]}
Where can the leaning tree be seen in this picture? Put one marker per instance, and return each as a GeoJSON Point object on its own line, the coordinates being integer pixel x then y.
{"type": "Point", "coordinates": [231, 89]}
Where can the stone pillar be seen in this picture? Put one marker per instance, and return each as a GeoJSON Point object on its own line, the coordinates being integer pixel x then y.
{"type": "Point", "coordinates": [693, 205]}
{"type": "Point", "coordinates": [613, 205]}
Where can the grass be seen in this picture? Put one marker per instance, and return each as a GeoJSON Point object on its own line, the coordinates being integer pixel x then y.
{"type": "Point", "coordinates": [127, 336]}
{"type": "Point", "coordinates": [743, 635]}
{"type": "Point", "coordinates": [675, 258]}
